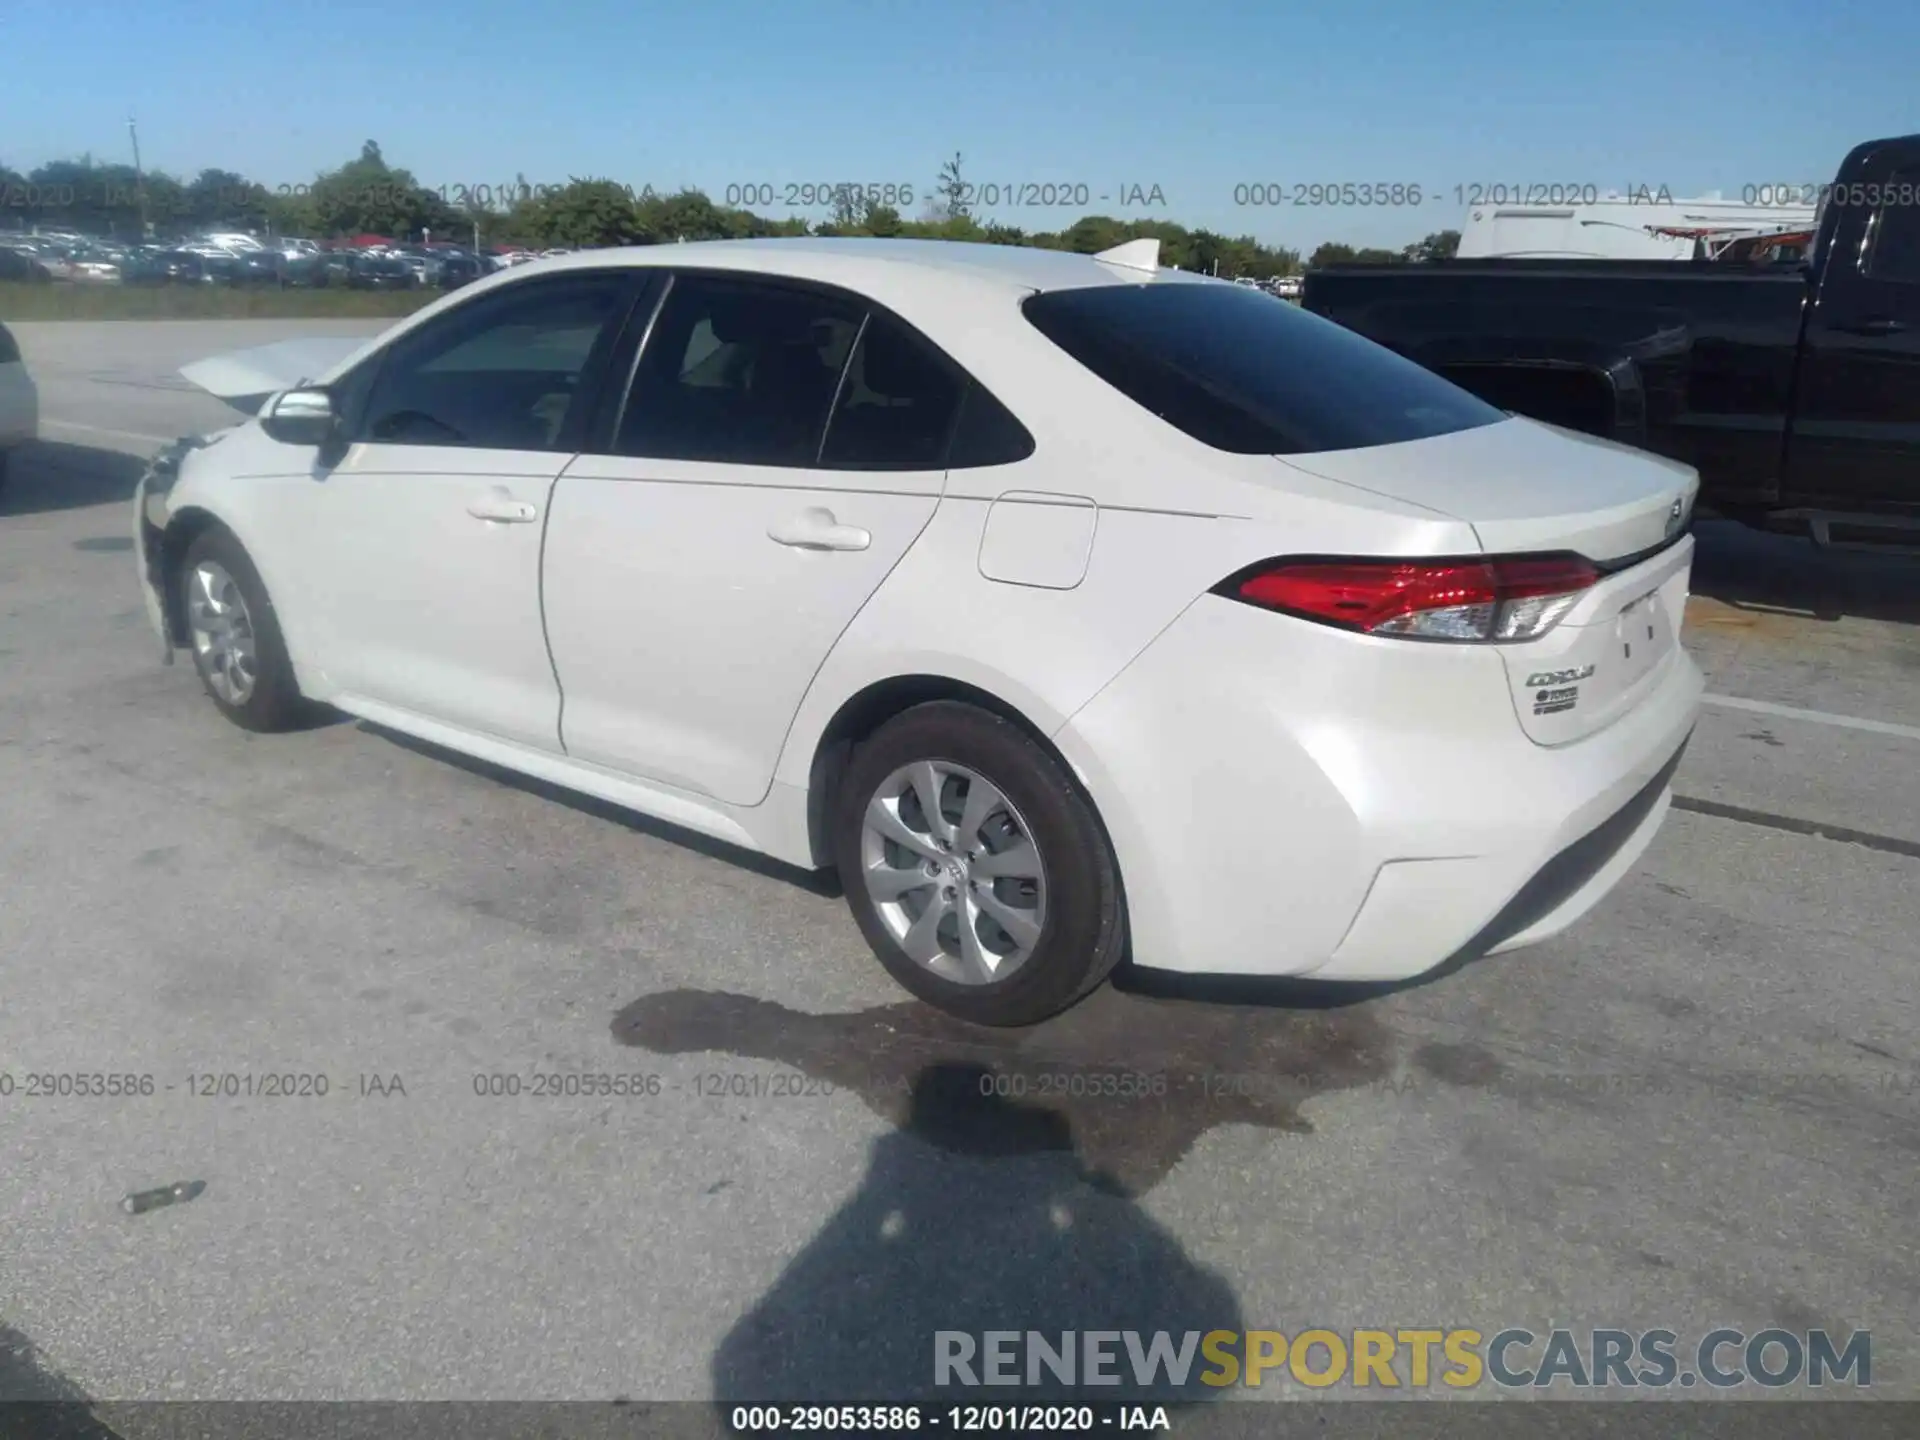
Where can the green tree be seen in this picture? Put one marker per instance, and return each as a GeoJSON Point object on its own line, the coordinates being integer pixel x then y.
{"type": "Point", "coordinates": [950, 191]}
{"type": "Point", "coordinates": [1093, 233]}
{"type": "Point", "coordinates": [586, 213]}
{"type": "Point", "coordinates": [223, 200]}
{"type": "Point", "coordinates": [1441, 245]}
{"type": "Point", "coordinates": [684, 215]}
{"type": "Point", "coordinates": [367, 195]}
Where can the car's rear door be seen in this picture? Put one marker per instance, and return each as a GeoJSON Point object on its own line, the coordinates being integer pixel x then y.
{"type": "Point", "coordinates": [704, 557]}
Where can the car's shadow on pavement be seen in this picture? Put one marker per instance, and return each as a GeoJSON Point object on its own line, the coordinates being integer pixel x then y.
{"type": "Point", "coordinates": [977, 1215]}
{"type": "Point", "coordinates": [36, 1403]}
{"type": "Point", "coordinates": [49, 475]}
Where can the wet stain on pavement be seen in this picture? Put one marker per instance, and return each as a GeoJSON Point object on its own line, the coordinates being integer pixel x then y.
{"type": "Point", "coordinates": [1468, 1066]}
{"type": "Point", "coordinates": [1134, 1082]}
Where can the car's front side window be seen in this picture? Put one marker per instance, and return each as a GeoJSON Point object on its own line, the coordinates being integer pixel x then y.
{"type": "Point", "coordinates": [503, 373]}
{"type": "Point", "coordinates": [739, 372]}
{"type": "Point", "coordinates": [1895, 255]}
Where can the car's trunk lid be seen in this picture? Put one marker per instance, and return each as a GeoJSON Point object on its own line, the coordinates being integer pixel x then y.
{"type": "Point", "coordinates": [1612, 651]}
{"type": "Point", "coordinates": [1526, 487]}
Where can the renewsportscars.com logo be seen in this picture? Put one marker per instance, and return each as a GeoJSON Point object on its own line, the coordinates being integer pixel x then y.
{"type": "Point", "coordinates": [1402, 1358]}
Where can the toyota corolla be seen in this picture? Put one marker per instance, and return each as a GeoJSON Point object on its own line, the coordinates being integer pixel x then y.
{"type": "Point", "coordinates": [1072, 608]}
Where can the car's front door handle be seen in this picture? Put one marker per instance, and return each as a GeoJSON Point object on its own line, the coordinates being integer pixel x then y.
{"type": "Point", "coordinates": [815, 529]}
{"type": "Point", "coordinates": [1875, 325]}
{"type": "Point", "coordinates": [497, 504]}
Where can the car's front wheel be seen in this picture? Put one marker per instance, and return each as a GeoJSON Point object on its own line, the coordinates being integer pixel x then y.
{"type": "Point", "coordinates": [235, 635]}
{"type": "Point", "coordinates": [976, 866]}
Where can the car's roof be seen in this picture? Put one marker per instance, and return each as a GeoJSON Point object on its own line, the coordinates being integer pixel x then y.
{"type": "Point", "coordinates": [1020, 268]}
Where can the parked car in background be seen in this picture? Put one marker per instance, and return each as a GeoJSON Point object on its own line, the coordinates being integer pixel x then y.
{"type": "Point", "coordinates": [461, 267]}
{"type": "Point", "coordinates": [19, 402]}
{"type": "Point", "coordinates": [96, 266]}
{"type": "Point", "coordinates": [22, 267]}
{"type": "Point", "coordinates": [260, 269]}
{"type": "Point", "coordinates": [424, 263]}
{"type": "Point", "coordinates": [332, 269]}
{"type": "Point", "coordinates": [382, 272]}
{"type": "Point", "coordinates": [179, 267]}
{"type": "Point", "coordinates": [1354, 675]}
{"type": "Point", "coordinates": [58, 259]}
{"type": "Point", "coordinates": [1793, 387]}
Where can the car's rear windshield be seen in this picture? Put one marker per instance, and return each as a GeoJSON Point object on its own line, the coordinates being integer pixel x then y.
{"type": "Point", "coordinates": [1248, 373]}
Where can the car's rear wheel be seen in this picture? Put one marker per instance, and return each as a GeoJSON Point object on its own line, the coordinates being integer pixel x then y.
{"type": "Point", "coordinates": [235, 635]}
{"type": "Point", "coordinates": [976, 867]}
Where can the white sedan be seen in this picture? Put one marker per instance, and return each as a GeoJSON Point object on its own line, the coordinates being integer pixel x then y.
{"type": "Point", "coordinates": [1071, 608]}
{"type": "Point", "coordinates": [19, 402]}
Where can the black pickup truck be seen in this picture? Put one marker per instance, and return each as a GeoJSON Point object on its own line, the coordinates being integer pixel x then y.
{"type": "Point", "coordinates": [1794, 387]}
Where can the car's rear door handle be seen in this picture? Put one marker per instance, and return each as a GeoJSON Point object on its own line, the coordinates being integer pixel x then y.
{"type": "Point", "coordinates": [815, 529]}
{"type": "Point", "coordinates": [497, 504]}
{"type": "Point", "coordinates": [1874, 325]}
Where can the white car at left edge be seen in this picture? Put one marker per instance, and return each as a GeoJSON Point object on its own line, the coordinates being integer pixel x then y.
{"type": "Point", "coordinates": [1072, 608]}
{"type": "Point", "coordinates": [19, 402]}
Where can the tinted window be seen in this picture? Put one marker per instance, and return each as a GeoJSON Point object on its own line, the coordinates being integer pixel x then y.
{"type": "Point", "coordinates": [9, 351]}
{"type": "Point", "coordinates": [897, 403]}
{"type": "Point", "coordinates": [987, 433]}
{"type": "Point", "coordinates": [1245, 372]}
{"type": "Point", "coordinates": [1896, 232]}
{"type": "Point", "coordinates": [502, 373]}
{"type": "Point", "coordinates": [739, 372]}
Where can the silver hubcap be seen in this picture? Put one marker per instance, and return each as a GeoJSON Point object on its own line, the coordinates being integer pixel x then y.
{"type": "Point", "coordinates": [952, 872]}
{"type": "Point", "coordinates": [222, 632]}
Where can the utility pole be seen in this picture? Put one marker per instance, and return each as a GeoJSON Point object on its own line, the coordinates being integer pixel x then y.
{"type": "Point", "coordinates": [139, 179]}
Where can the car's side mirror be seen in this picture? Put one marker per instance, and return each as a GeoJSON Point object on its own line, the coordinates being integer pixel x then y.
{"type": "Point", "coordinates": [301, 417]}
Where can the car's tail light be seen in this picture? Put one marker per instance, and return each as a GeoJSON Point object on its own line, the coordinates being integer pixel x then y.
{"type": "Point", "coordinates": [1493, 599]}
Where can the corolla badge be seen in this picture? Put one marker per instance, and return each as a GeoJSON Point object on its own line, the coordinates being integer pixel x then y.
{"type": "Point", "coordinates": [1559, 677]}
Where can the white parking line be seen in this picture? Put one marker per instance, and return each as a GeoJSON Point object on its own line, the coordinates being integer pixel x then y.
{"type": "Point", "coordinates": [47, 424]}
{"type": "Point", "coordinates": [1816, 717]}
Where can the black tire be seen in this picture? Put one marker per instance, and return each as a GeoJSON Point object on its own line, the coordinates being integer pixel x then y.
{"type": "Point", "coordinates": [274, 702]}
{"type": "Point", "coordinates": [1084, 933]}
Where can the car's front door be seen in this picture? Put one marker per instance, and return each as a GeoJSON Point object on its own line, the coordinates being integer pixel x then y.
{"type": "Point", "coordinates": [426, 533]}
{"type": "Point", "coordinates": [780, 448]}
{"type": "Point", "coordinates": [1855, 435]}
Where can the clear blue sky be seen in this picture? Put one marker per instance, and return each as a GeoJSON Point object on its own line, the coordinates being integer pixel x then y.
{"type": "Point", "coordinates": [1193, 98]}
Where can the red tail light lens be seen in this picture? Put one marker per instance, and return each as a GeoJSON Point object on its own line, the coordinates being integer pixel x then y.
{"type": "Point", "coordinates": [1512, 598]}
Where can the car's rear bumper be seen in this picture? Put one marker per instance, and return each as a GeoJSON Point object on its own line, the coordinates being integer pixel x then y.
{"type": "Point", "coordinates": [1349, 808]}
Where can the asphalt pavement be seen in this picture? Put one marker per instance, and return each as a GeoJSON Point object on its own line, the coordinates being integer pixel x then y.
{"type": "Point", "coordinates": [1700, 1108]}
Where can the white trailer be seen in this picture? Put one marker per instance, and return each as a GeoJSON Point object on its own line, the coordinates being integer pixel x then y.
{"type": "Point", "coordinates": [1618, 227]}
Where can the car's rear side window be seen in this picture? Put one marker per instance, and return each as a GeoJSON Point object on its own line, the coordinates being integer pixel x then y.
{"type": "Point", "coordinates": [1245, 372]}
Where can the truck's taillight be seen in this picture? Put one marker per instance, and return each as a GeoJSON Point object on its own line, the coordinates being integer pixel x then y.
{"type": "Point", "coordinates": [1512, 598]}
